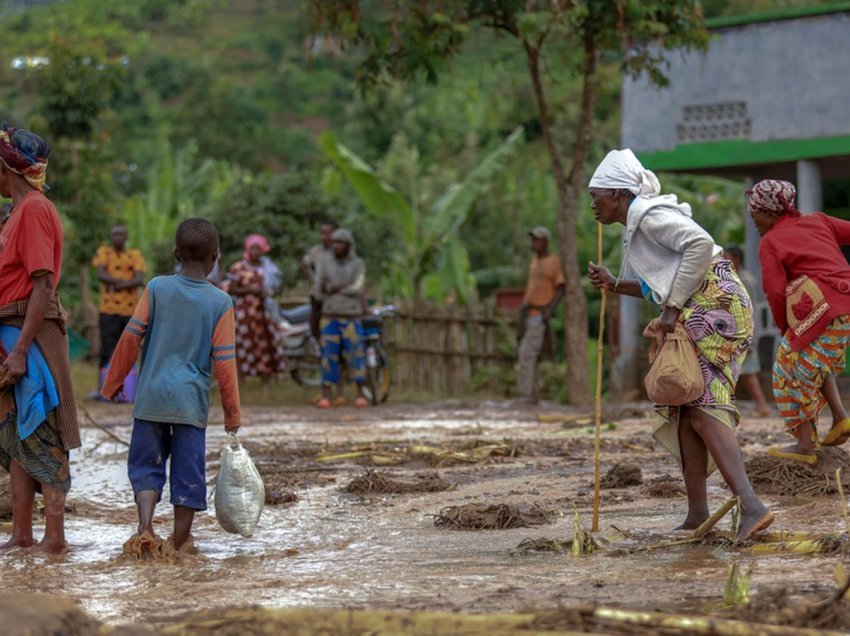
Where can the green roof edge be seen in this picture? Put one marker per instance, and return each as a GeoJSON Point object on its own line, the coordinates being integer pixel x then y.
{"type": "Point", "coordinates": [773, 16]}
{"type": "Point", "coordinates": [741, 152]}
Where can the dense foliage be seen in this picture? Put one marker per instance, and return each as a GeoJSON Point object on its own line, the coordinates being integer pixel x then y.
{"type": "Point", "coordinates": [163, 109]}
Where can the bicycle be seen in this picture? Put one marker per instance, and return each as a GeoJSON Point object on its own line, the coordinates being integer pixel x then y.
{"type": "Point", "coordinates": [378, 378]}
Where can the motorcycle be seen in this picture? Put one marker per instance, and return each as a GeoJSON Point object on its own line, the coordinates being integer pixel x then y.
{"type": "Point", "coordinates": [303, 352]}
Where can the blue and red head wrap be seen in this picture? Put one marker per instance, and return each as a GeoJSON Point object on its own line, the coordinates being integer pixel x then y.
{"type": "Point", "coordinates": [24, 153]}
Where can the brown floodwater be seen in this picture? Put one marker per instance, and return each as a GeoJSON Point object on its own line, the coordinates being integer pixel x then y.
{"type": "Point", "coordinates": [330, 549]}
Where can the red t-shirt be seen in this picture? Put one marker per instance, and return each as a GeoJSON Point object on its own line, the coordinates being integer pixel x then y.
{"type": "Point", "coordinates": [31, 241]}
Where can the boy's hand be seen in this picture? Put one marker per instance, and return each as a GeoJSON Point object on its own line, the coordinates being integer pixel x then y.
{"type": "Point", "coordinates": [231, 428]}
{"type": "Point", "coordinates": [112, 397]}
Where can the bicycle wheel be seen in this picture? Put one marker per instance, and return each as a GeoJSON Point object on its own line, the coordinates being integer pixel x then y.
{"type": "Point", "coordinates": [377, 387]}
{"type": "Point", "coordinates": [384, 375]}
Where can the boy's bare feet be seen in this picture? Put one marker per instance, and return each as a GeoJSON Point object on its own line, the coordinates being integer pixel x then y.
{"type": "Point", "coordinates": [144, 547]}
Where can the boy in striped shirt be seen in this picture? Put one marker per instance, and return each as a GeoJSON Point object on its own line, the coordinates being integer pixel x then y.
{"type": "Point", "coordinates": [184, 328]}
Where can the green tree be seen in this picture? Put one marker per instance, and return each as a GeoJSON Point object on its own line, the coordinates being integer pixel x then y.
{"type": "Point", "coordinates": [433, 261]}
{"type": "Point", "coordinates": [408, 39]}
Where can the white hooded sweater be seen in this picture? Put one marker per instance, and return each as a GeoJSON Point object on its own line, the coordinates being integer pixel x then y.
{"type": "Point", "coordinates": [666, 248]}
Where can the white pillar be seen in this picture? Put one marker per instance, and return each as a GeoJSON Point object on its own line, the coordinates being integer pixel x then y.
{"type": "Point", "coordinates": [809, 190]}
{"type": "Point", "coordinates": [751, 248]}
{"type": "Point", "coordinates": [625, 372]}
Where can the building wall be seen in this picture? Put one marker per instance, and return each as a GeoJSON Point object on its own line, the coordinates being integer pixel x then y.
{"type": "Point", "coordinates": [768, 81]}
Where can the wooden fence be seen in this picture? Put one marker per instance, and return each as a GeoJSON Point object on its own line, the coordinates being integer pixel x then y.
{"type": "Point", "coordinates": [441, 349]}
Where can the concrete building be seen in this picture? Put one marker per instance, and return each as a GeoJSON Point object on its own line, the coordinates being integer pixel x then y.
{"type": "Point", "coordinates": [769, 99]}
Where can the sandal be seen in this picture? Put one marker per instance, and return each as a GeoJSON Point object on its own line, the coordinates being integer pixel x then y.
{"type": "Point", "coordinates": [838, 434]}
{"type": "Point", "coordinates": [799, 457]}
{"type": "Point", "coordinates": [361, 402]}
{"type": "Point", "coordinates": [324, 403]}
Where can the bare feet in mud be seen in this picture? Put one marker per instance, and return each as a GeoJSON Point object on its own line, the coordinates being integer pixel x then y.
{"type": "Point", "coordinates": [17, 542]}
{"type": "Point", "coordinates": [691, 522]}
{"type": "Point", "coordinates": [48, 547]}
{"type": "Point", "coordinates": [188, 546]}
{"type": "Point", "coordinates": [753, 521]}
{"type": "Point", "coordinates": [147, 547]}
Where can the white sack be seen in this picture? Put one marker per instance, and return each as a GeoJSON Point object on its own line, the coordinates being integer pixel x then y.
{"type": "Point", "coordinates": [239, 490]}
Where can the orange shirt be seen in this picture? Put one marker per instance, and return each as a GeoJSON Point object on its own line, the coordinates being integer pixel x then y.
{"type": "Point", "coordinates": [31, 242]}
{"type": "Point", "coordinates": [545, 275]}
{"type": "Point", "coordinates": [122, 265]}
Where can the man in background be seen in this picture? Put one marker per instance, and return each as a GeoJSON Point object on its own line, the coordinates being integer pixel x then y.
{"type": "Point", "coordinates": [121, 273]}
{"type": "Point", "coordinates": [310, 267]}
{"type": "Point", "coordinates": [543, 293]}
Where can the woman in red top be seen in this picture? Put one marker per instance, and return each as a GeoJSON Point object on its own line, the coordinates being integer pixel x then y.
{"type": "Point", "coordinates": [806, 279]}
{"type": "Point", "coordinates": [38, 420]}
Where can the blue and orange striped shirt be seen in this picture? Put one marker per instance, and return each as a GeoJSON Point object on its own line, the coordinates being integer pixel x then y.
{"type": "Point", "coordinates": [184, 329]}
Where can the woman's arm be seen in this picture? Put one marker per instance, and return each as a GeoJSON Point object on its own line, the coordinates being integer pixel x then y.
{"type": "Point", "coordinates": [42, 287]}
{"type": "Point", "coordinates": [774, 280]}
{"type": "Point", "coordinates": [601, 278]}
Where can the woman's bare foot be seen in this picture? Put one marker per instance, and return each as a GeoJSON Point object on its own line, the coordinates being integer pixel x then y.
{"type": "Point", "coordinates": [692, 522]}
{"type": "Point", "coordinates": [17, 542]}
{"type": "Point", "coordinates": [49, 546]}
{"type": "Point", "coordinates": [753, 520]}
{"type": "Point", "coordinates": [798, 449]}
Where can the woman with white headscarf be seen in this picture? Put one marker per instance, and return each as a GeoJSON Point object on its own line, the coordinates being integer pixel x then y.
{"type": "Point", "coordinates": [671, 261]}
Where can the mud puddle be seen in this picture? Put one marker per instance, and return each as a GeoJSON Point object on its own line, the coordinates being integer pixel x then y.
{"type": "Point", "coordinates": [332, 549]}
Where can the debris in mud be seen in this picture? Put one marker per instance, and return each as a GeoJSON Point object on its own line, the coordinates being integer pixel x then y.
{"type": "Point", "coordinates": [665, 486]}
{"type": "Point", "coordinates": [542, 545]}
{"type": "Point", "coordinates": [773, 476]}
{"type": "Point", "coordinates": [783, 608]}
{"type": "Point", "coordinates": [375, 482]}
{"type": "Point", "coordinates": [279, 497]}
{"type": "Point", "coordinates": [492, 517]}
{"type": "Point", "coordinates": [33, 614]}
{"type": "Point", "coordinates": [151, 549]}
{"type": "Point", "coordinates": [622, 475]}
{"type": "Point", "coordinates": [470, 453]}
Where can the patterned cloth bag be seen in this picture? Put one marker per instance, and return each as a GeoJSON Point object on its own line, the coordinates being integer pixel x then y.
{"type": "Point", "coordinates": [804, 304]}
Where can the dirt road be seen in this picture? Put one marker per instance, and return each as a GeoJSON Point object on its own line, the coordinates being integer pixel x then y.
{"type": "Point", "coordinates": [321, 547]}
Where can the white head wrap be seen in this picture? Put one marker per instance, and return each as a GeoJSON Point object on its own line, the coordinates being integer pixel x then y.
{"type": "Point", "coordinates": [620, 169]}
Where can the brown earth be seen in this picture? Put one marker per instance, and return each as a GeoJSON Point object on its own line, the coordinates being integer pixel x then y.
{"type": "Point", "coordinates": [319, 547]}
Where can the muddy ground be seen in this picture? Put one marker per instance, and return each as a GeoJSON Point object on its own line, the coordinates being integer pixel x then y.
{"type": "Point", "coordinates": [365, 506]}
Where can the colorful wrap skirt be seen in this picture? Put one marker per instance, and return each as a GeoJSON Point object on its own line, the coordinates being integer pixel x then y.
{"type": "Point", "coordinates": [799, 375]}
{"type": "Point", "coordinates": [41, 454]}
{"type": "Point", "coordinates": [719, 319]}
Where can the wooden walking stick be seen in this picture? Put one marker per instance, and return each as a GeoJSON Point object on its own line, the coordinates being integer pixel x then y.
{"type": "Point", "coordinates": [598, 432]}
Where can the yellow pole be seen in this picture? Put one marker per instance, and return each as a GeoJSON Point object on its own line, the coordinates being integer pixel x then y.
{"type": "Point", "coordinates": [598, 433]}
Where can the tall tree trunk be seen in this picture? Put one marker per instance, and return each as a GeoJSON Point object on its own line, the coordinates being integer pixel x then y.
{"type": "Point", "coordinates": [575, 307]}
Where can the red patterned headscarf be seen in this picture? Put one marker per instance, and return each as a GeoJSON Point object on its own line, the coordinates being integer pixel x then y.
{"type": "Point", "coordinates": [773, 196]}
{"type": "Point", "coordinates": [24, 153]}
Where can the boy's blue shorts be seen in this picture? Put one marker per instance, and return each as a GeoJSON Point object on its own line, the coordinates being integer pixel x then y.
{"type": "Point", "coordinates": [151, 444]}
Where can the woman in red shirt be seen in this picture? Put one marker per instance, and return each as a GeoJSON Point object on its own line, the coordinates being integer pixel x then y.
{"type": "Point", "coordinates": [38, 419]}
{"type": "Point", "coordinates": [806, 279]}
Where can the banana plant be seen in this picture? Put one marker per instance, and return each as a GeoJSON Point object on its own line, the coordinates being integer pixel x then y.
{"type": "Point", "coordinates": [433, 262]}
{"type": "Point", "coordinates": [178, 185]}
